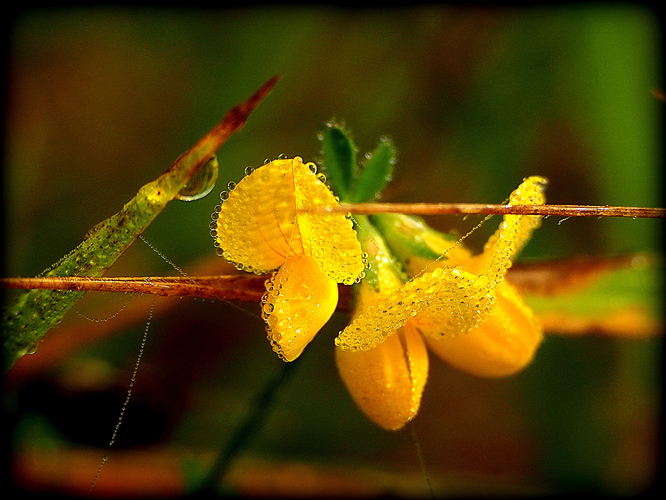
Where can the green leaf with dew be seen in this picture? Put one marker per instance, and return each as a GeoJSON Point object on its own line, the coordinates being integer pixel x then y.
{"type": "Point", "coordinates": [339, 159]}
{"type": "Point", "coordinates": [375, 173]}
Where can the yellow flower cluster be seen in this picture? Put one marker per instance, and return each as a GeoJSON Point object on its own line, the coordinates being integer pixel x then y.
{"type": "Point", "coordinates": [436, 294]}
{"type": "Point", "coordinates": [455, 303]}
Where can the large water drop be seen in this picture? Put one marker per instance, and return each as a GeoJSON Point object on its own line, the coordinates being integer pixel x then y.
{"type": "Point", "coordinates": [202, 182]}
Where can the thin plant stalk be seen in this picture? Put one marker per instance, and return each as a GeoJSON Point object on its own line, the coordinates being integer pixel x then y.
{"type": "Point", "coordinates": [479, 208]}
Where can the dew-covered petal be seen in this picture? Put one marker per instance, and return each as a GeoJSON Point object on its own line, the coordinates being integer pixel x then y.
{"type": "Point", "coordinates": [299, 300]}
{"type": "Point", "coordinates": [256, 222]}
{"type": "Point", "coordinates": [443, 317]}
{"type": "Point", "coordinates": [514, 231]}
{"type": "Point", "coordinates": [448, 292]}
{"type": "Point", "coordinates": [328, 237]}
{"type": "Point", "coordinates": [503, 343]}
{"type": "Point", "coordinates": [459, 302]}
{"type": "Point", "coordinates": [387, 382]}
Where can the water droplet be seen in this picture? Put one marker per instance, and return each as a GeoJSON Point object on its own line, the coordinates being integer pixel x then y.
{"type": "Point", "coordinates": [202, 182]}
{"type": "Point", "coordinates": [312, 167]}
{"type": "Point", "coordinates": [272, 322]}
{"type": "Point", "coordinates": [300, 314]}
{"type": "Point", "coordinates": [268, 308]}
{"type": "Point", "coordinates": [231, 186]}
{"type": "Point", "coordinates": [249, 170]}
{"type": "Point", "coordinates": [32, 348]}
{"type": "Point", "coordinates": [224, 195]}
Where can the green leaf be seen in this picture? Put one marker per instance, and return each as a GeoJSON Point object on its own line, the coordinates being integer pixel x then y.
{"type": "Point", "coordinates": [375, 173]}
{"type": "Point", "coordinates": [34, 312]}
{"type": "Point", "coordinates": [339, 159]}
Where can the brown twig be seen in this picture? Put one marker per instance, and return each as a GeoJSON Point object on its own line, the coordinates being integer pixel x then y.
{"type": "Point", "coordinates": [479, 208]}
{"type": "Point", "coordinates": [225, 287]}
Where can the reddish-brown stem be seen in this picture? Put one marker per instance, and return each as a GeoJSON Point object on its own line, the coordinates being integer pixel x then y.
{"type": "Point", "coordinates": [233, 120]}
{"type": "Point", "coordinates": [479, 208]}
{"type": "Point", "coordinates": [226, 287]}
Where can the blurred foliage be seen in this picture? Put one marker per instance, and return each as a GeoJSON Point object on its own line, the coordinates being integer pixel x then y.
{"type": "Point", "coordinates": [101, 100]}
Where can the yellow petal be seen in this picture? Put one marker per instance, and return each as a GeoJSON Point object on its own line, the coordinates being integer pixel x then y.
{"type": "Point", "coordinates": [515, 230]}
{"type": "Point", "coordinates": [450, 299]}
{"type": "Point", "coordinates": [299, 300]}
{"type": "Point", "coordinates": [328, 237]}
{"type": "Point", "coordinates": [259, 225]}
{"type": "Point", "coordinates": [387, 382]}
{"type": "Point", "coordinates": [503, 344]}
{"type": "Point", "coordinates": [256, 223]}
{"type": "Point", "coordinates": [459, 301]}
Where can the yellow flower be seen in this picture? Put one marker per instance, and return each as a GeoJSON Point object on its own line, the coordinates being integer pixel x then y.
{"type": "Point", "coordinates": [455, 303]}
{"type": "Point", "coordinates": [259, 227]}
{"type": "Point", "coordinates": [466, 312]}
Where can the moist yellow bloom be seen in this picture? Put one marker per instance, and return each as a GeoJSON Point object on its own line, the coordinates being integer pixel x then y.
{"type": "Point", "coordinates": [385, 382]}
{"type": "Point", "coordinates": [260, 228]}
{"type": "Point", "coordinates": [466, 312]}
{"type": "Point", "coordinates": [450, 300]}
{"type": "Point", "coordinates": [502, 344]}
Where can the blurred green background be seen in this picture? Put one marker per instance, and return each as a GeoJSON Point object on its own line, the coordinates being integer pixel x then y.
{"type": "Point", "coordinates": [101, 100]}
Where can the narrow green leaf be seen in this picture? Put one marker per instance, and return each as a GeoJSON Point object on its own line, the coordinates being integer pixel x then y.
{"type": "Point", "coordinates": [375, 173]}
{"type": "Point", "coordinates": [33, 313]}
{"type": "Point", "coordinates": [339, 159]}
